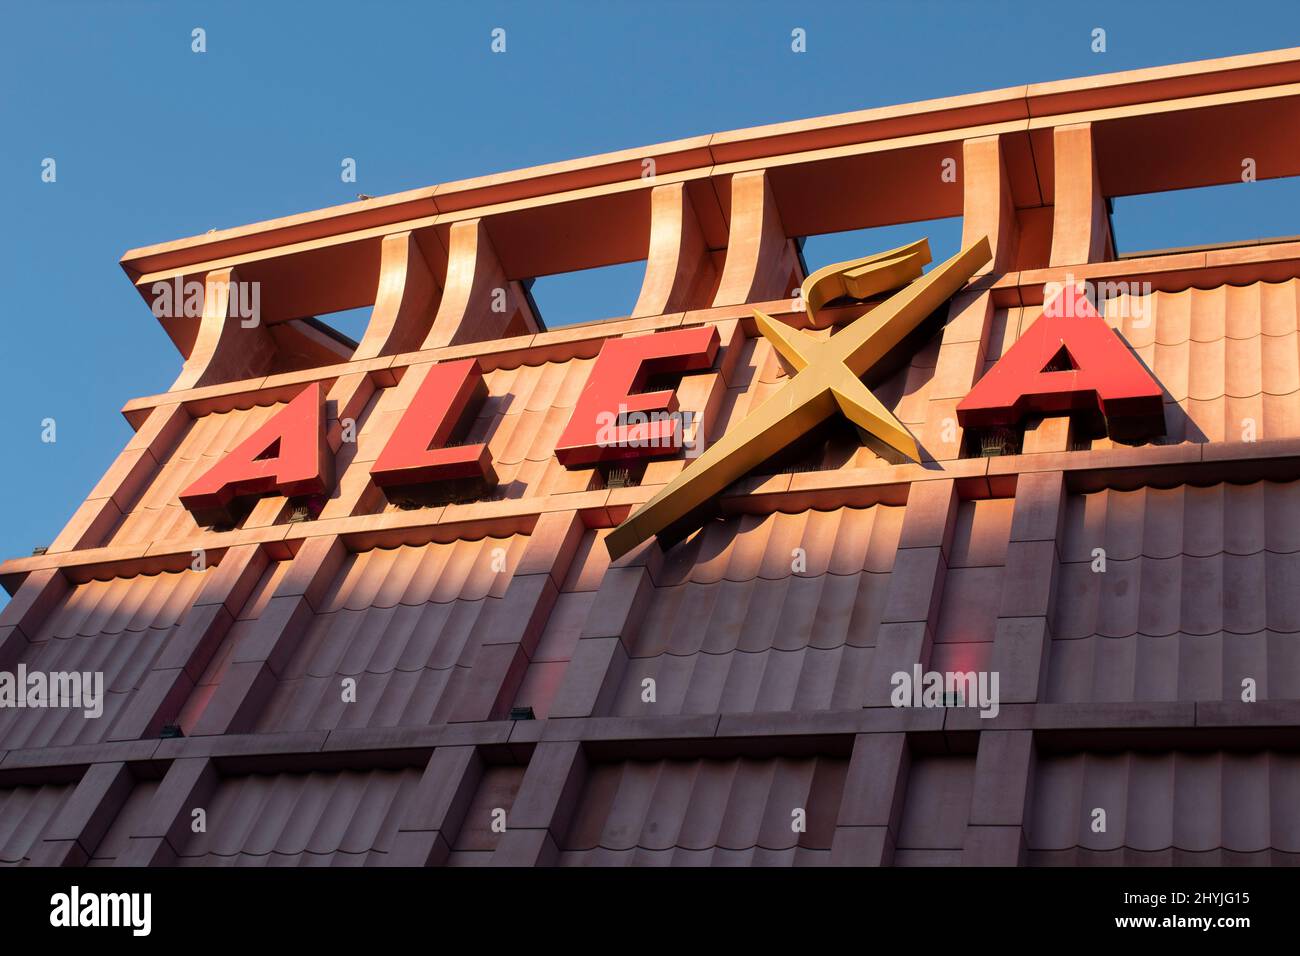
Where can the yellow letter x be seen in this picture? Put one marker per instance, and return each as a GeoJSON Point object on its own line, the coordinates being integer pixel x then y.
{"type": "Point", "coordinates": [827, 377]}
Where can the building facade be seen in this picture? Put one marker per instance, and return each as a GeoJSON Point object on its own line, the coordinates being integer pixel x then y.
{"type": "Point", "coordinates": [449, 666]}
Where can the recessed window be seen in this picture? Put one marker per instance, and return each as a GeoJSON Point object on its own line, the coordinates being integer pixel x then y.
{"type": "Point", "coordinates": [351, 322]}
{"type": "Point", "coordinates": [944, 236]}
{"type": "Point", "coordinates": [1211, 215]}
{"type": "Point", "coordinates": [568, 298]}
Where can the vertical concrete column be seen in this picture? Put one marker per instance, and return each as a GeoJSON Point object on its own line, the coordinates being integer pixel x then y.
{"type": "Point", "coordinates": [82, 822]}
{"type": "Point", "coordinates": [123, 483]}
{"type": "Point", "coordinates": [871, 809]}
{"type": "Point", "coordinates": [163, 832]}
{"type": "Point", "coordinates": [761, 261]}
{"type": "Point", "coordinates": [263, 651]}
{"type": "Point", "coordinates": [1080, 226]}
{"type": "Point", "coordinates": [428, 832]}
{"type": "Point", "coordinates": [961, 361]}
{"type": "Point", "coordinates": [609, 636]}
{"type": "Point", "coordinates": [190, 647]}
{"type": "Point", "coordinates": [405, 303]}
{"type": "Point", "coordinates": [915, 586]}
{"type": "Point", "coordinates": [511, 629]}
{"type": "Point", "coordinates": [478, 301]}
{"type": "Point", "coordinates": [987, 206]}
{"type": "Point", "coordinates": [1000, 798]}
{"type": "Point", "coordinates": [225, 350]}
{"type": "Point", "coordinates": [1023, 638]}
{"type": "Point", "coordinates": [544, 806]}
{"type": "Point", "coordinates": [345, 403]}
{"type": "Point", "coordinates": [679, 271]}
{"type": "Point", "coordinates": [22, 618]}
{"type": "Point", "coordinates": [1022, 641]}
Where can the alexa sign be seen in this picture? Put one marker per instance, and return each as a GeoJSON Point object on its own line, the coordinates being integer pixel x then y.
{"type": "Point", "coordinates": [1068, 361]}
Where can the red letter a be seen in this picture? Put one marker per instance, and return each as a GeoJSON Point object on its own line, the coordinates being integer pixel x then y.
{"type": "Point", "coordinates": [1070, 360]}
{"type": "Point", "coordinates": [288, 455]}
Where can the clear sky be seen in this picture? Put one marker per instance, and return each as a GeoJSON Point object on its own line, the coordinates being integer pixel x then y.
{"type": "Point", "coordinates": [153, 142]}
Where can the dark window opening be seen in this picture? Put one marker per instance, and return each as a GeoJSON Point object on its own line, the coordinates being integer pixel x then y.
{"type": "Point", "coordinates": [587, 295]}
{"type": "Point", "coordinates": [1062, 361]}
{"type": "Point", "coordinates": [618, 474]}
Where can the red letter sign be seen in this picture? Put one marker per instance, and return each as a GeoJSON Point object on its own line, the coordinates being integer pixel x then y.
{"type": "Point", "coordinates": [415, 453]}
{"type": "Point", "coordinates": [288, 455]}
{"type": "Point", "coordinates": [1099, 373]}
{"type": "Point", "coordinates": [597, 431]}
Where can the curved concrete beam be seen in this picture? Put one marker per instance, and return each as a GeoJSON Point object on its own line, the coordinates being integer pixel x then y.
{"type": "Point", "coordinates": [227, 348]}
{"type": "Point", "coordinates": [761, 263]}
{"type": "Point", "coordinates": [478, 301]}
{"type": "Point", "coordinates": [987, 205]}
{"type": "Point", "coordinates": [679, 273]}
{"type": "Point", "coordinates": [406, 302]}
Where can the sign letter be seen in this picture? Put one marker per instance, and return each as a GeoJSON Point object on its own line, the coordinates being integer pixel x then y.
{"type": "Point", "coordinates": [614, 390]}
{"type": "Point", "coordinates": [1070, 360]}
{"type": "Point", "coordinates": [417, 452]}
{"type": "Point", "coordinates": [288, 456]}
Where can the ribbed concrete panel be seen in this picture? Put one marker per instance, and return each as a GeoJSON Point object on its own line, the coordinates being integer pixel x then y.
{"type": "Point", "coordinates": [735, 812]}
{"type": "Point", "coordinates": [1179, 807]}
{"type": "Point", "coordinates": [1201, 591]}
{"type": "Point", "coordinates": [116, 628]}
{"type": "Point", "coordinates": [401, 623]}
{"type": "Point", "coordinates": [1228, 357]}
{"type": "Point", "coordinates": [157, 513]}
{"type": "Point", "coordinates": [766, 614]}
{"type": "Point", "coordinates": [349, 818]}
{"type": "Point", "coordinates": [25, 813]}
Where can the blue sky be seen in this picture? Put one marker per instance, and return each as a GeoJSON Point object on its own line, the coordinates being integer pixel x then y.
{"type": "Point", "coordinates": [154, 142]}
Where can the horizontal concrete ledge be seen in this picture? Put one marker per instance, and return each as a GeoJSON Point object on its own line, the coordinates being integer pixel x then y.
{"type": "Point", "coordinates": [1069, 101]}
{"type": "Point", "coordinates": [1174, 271]}
{"type": "Point", "coordinates": [1085, 471]}
{"type": "Point", "coordinates": [1057, 727]}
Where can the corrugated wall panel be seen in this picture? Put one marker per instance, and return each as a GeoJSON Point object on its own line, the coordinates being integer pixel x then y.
{"type": "Point", "coordinates": [116, 628]}
{"type": "Point", "coordinates": [25, 812]}
{"type": "Point", "coordinates": [348, 818]}
{"type": "Point", "coordinates": [735, 812]}
{"type": "Point", "coordinates": [1223, 355]}
{"type": "Point", "coordinates": [766, 614]}
{"type": "Point", "coordinates": [1178, 807]}
{"type": "Point", "coordinates": [400, 623]}
{"type": "Point", "coordinates": [1201, 590]}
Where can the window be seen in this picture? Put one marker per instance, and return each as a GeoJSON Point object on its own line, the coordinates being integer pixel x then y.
{"type": "Point", "coordinates": [587, 295]}
{"type": "Point", "coordinates": [1219, 215]}
{"type": "Point", "coordinates": [944, 236]}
